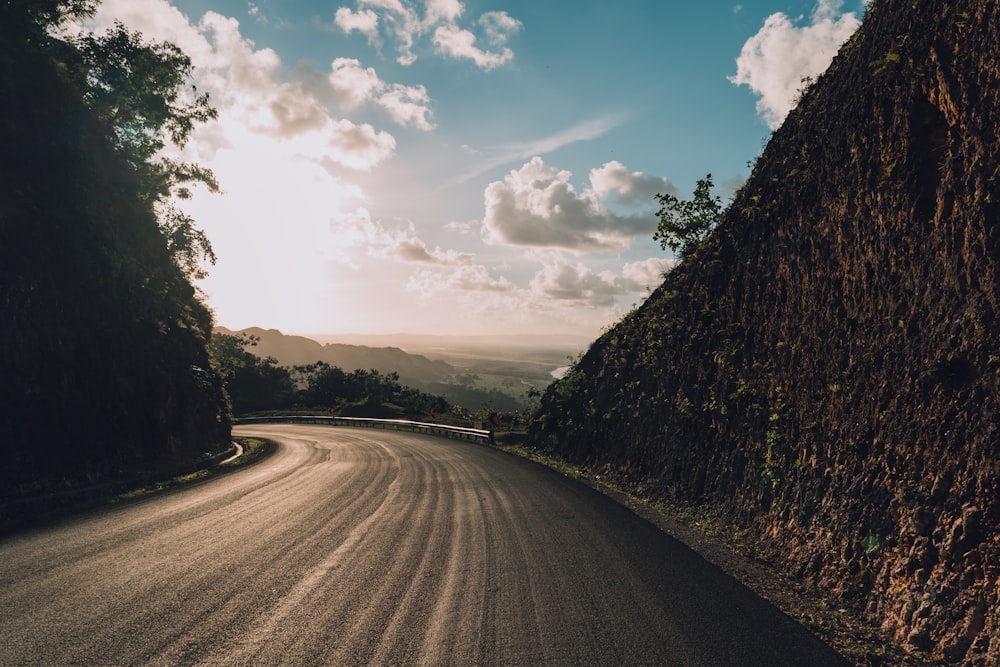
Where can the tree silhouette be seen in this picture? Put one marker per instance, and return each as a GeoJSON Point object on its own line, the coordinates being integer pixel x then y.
{"type": "Point", "coordinates": [684, 223]}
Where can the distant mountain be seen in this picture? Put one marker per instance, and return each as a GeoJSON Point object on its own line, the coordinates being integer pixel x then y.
{"type": "Point", "coordinates": [414, 370]}
{"type": "Point", "coordinates": [505, 345]}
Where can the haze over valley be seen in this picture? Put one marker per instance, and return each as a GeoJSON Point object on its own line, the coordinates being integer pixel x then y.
{"type": "Point", "coordinates": [502, 372]}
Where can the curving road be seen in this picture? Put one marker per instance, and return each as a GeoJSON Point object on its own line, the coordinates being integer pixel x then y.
{"type": "Point", "coordinates": [351, 546]}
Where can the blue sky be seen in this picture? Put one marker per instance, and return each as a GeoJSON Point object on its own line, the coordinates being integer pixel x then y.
{"type": "Point", "coordinates": [469, 167]}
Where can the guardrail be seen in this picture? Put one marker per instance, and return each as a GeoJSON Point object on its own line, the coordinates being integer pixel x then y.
{"type": "Point", "coordinates": [445, 430]}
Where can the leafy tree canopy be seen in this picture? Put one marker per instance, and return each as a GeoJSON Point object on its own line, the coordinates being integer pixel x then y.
{"type": "Point", "coordinates": [141, 92]}
{"type": "Point", "coordinates": [685, 223]}
{"type": "Point", "coordinates": [103, 357]}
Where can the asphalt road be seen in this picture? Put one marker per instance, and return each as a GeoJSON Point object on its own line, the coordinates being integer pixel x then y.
{"type": "Point", "coordinates": [352, 546]}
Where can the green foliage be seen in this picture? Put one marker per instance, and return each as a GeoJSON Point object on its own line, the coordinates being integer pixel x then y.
{"type": "Point", "coordinates": [684, 224]}
{"type": "Point", "coordinates": [252, 383]}
{"type": "Point", "coordinates": [137, 89]}
{"type": "Point", "coordinates": [364, 393]}
{"type": "Point", "coordinates": [103, 340]}
{"type": "Point", "coordinates": [570, 383]}
{"type": "Point", "coordinates": [774, 450]}
{"type": "Point", "coordinates": [139, 92]}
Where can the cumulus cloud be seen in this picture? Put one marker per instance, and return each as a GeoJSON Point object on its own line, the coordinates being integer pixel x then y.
{"type": "Point", "coordinates": [466, 278]}
{"type": "Point", "coordinates": [364, 21]}
{"type": "Point", "coordinates": [411, 249]}
{"type": "Point", "coordinates": [537, 206]}
{"type": "Point", "coordinates": [646, 274]}
{"type": "Point", "coordinates": [400, 22]}
{"type": "Point", "coordinates": [398, 243]}
{"type": "Point", "coordinates": [458, 43]}
{"type": "Point", "coordinates": [407, 105]}
{"type": "Point", "coordinates": [613, 180]}
{"type": "Point", "coordinates": [358, 146]}
{"type": "Point", "coordinates": [580, 285]}
{"type": "Point", "coordinates": [355, 85]}
{"type": "Point", "coordinates": [498, 26]}
{"type": "Point", "coordinates": [442, 10]}
{"type": "Point", "coordinates": [253, 95]}
{"type": "Point", "coordinates": [774, 62]}
{"type": "Point", "coordinates": [577, 283]}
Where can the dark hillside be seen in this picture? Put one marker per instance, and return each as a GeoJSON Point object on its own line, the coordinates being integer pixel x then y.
{"type": "Point", "coordinates": [415, 370]}
{"type": "Point", "coordinates": [104, 371]}
{"type": "Point", "coordinates": [826, 367]}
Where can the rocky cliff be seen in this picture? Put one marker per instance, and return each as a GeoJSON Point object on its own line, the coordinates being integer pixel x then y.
{"type": "Point", "coordinates": [826, 366]}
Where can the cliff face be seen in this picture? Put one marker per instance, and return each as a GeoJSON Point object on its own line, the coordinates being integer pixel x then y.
{"type": "Point", "coordinates": [827, 365]}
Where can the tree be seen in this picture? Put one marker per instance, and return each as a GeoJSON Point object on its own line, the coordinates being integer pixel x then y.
{"type": "Point", "coordinates": [684, 224]}
{"type": "Point", "coordinates": [139, 90]}
{"type": "Point", "coordinates": [102, 335]}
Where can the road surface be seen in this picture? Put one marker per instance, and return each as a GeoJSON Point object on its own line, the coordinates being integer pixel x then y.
{"type": "Point", "coordinates": [353, 546]}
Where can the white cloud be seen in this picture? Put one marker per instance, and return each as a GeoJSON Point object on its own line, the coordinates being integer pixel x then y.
{"type": "Point", "coordinates": [364, 21]}
{"type": "Point", "coordinates": [460, 228]}
{"type": "Point", "coordinates": [407, 105]}
{"type": "Point", "coordinates": [537, 206]}
{"type": "Point", "coordinates": [580, 285]}
{"type": "Point", "coordinates": [410, 249]}
{"type": "Point", "coordinates": [442, 10]}
{"type": "Point", "coordinates": [400, 22]}
{"type": "Point", "coordinates": [249, 90]}
{"type": "Point", "coordinates": [577, 285]}
{"type": "Point", "coordinates": [290, 217]}
{"type": "Point", "coordinates": [629, 188]}
{"type": "Point", "coordinates": [354, 86]}
{"type": "Point", "coordinates": [498, 26]}
{"type": "Point", "coordinates": [399, 243]}
{"type": "Point", "coordinates": [645, 275]}
{"type": "Point", "coordinates": [357, 146]}
{"type": "Point", "coordinates": [467, 278]}
{"type": "Point", "coordinates": [565, 282]}
{"type": "Point", "coordinates": [458, 43]}
{"type": "Point", "coordinates": [775, 60]}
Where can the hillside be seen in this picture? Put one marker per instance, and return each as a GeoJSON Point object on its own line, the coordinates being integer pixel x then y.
{"type": "Point", "coordinates": [824, 369]}
{"type": "Point", "coordinates": [499, 384]}
{"type": "Point", "coordinates": [415, 370]}
{"type": "Point", "coordinates": [104, 370]}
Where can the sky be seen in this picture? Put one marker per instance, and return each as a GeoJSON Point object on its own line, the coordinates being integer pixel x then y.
{"type": "Point", "coordinates": [469, 167]}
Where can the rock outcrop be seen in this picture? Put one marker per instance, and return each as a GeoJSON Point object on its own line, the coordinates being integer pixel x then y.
{"type": "Point", "coordinates": [826, 366]}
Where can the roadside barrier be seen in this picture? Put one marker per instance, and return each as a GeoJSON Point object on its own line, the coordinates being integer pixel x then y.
{"type": "Point", "coordinates": [457, 432]}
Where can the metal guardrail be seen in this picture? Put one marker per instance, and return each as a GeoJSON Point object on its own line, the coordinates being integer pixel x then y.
{"type": "Point", "coordinates": [445, 430]}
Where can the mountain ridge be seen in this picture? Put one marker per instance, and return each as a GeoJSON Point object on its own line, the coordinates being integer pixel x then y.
{"type": "Point", "coordinates": [291, 350]}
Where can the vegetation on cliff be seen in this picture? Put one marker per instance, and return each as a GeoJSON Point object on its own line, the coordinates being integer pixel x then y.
{"type": "Point", "coordinates": [825, 366]}
{"type": "Point", "coordinates": [103, 340]}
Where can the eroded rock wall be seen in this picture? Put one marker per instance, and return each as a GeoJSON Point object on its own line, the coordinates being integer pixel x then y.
{"type": "Point", "coordinates": [827, 365]}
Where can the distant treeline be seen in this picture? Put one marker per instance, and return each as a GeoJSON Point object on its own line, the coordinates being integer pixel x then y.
{"type": "Point", "coordinates": [258, 385]}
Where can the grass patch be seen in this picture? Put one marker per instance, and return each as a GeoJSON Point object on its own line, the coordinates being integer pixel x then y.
{"type": "Point", "coordinates": [513, 443]}
{"type": "Point", "coordinates": [254, 449]}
